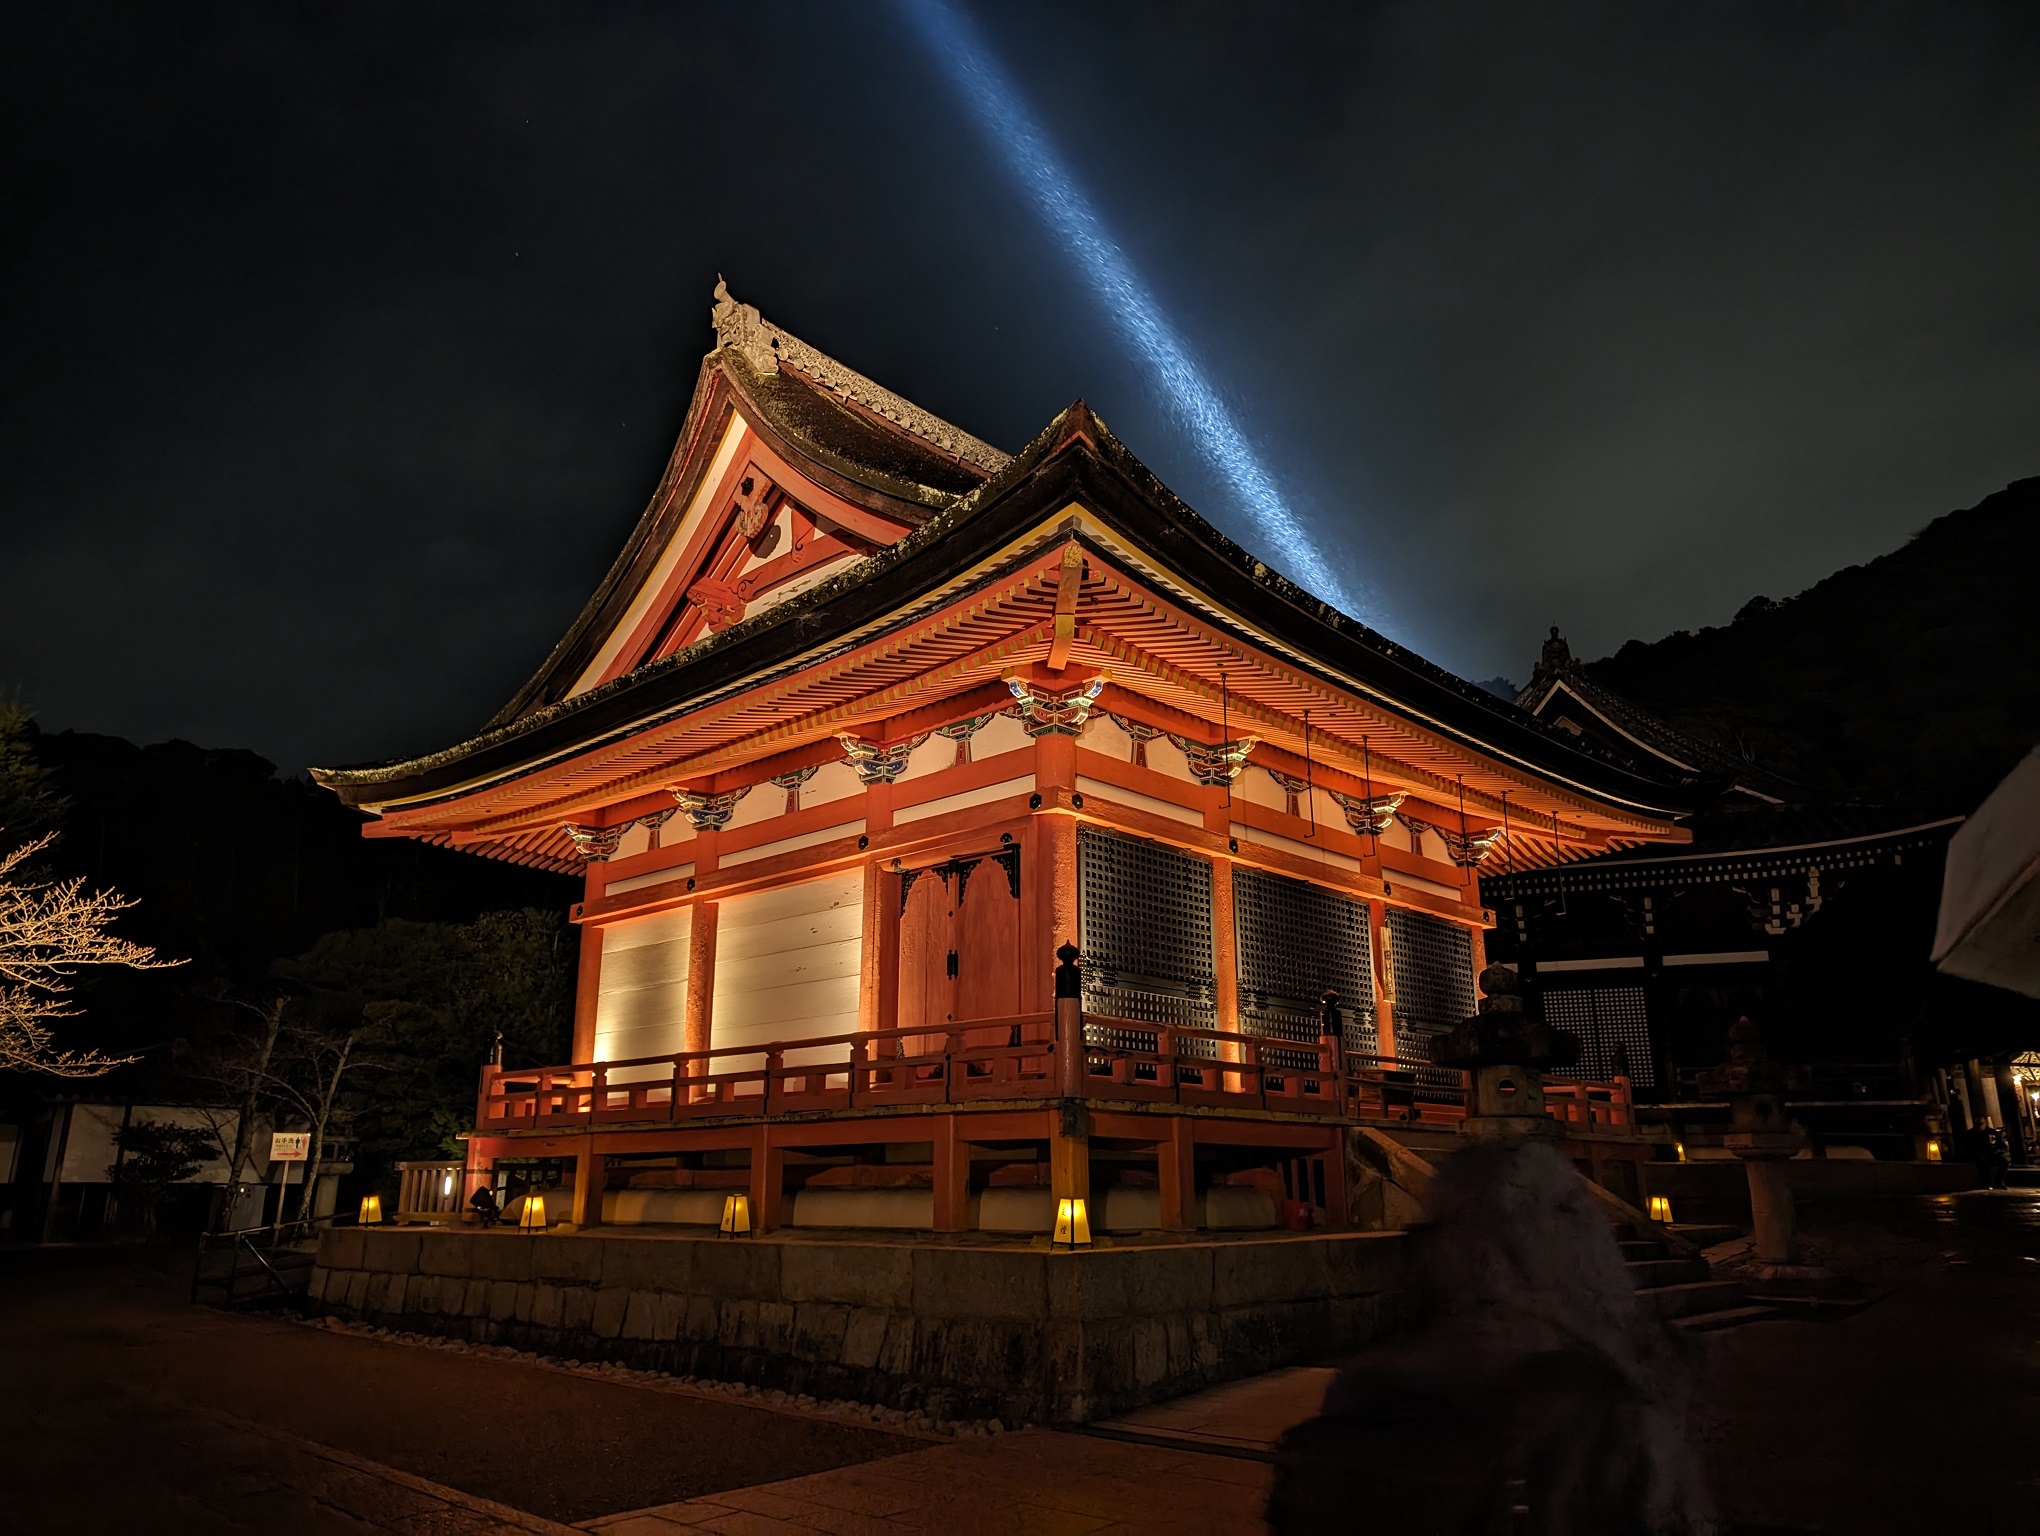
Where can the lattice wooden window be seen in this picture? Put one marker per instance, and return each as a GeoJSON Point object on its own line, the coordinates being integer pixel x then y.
{"type": "Point", "coordinates": [1145, 913]}
{"type": "Point", "coordinates": [1603, 1018]}
{"type": "Point", "coordinates": [1431, 962]}
{"type": "Point", "coordinates": [1295, 940]}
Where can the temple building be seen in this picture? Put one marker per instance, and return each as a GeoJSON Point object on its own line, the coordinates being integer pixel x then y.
{"type": "Point", "coordinates": [869, 720]}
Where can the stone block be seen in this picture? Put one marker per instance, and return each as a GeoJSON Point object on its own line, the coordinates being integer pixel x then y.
{"type": "Point", "coordinates": [736, 1268]}
{"type": "Point", "coordinates": [1126, 1282]}
{"type": "Point", "coordinates": [390, 1252]}
{"type": "Point", "coordinates": [545, 1305]}
{"type": "Point", "coordinates": [639, 1313]}
{"type": "Point", "coordinates": [896, 1355]}
{"type": "Point", "coordinates": [863, 1338]}
{"type": "Point", "coordinates": [1365, 1263]}
{"type": "Point", "coordinates": [444, 1253]}
{"type": "Point", "coordinates": [818, 1329]}
{"type": "Point", "coordinates": [856, 1274]}
{"type": "Point", "coordinates": [1244, 1274]}
{"type": "Point", "coordinates": [737, 1324]}
{"type": "Point", "coordinates": [396, 1300]}
{"type": "Point", "coordinates": [670, 1309]}
{"type": "Point", "coordinates": [775, 1327]}
{"type": "Point", "coordinates": [702, 1321]}
{"type": "Point", "coordinates": [340, 1247]}
{"type": "Point", "coordinates": [475, 1300]}
{"type": "Point", "coordinates": [527, 1296]}
{"type": "Point", "coordinates": [315, 1289]}
{"type": "Point", "coordinates": [501, 1256]}
{"type": "Point", "coordinates": [573, 1258]}
{"type": "Point", "coordinates": [577, 1309]}
{"type": "Point", "coordinates": [610, 1306]}
{"type": "Point", "coordinates": [646, 1264]}
{"type": "Point", "coordinates": [502, 1300]}
{"type": "Point", "coordinates": [980, 1283]}
{"type": "Point", "coordinates": [357, 1288]}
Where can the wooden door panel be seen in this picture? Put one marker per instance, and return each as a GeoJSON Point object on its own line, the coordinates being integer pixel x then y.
{"type": "Point", "coordinates": [988, 944]}
{"type": "Point", "coordinates": [927, 935]}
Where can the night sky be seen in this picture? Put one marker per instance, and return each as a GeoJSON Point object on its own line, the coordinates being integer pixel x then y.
{"type": "Point", "coordinates": [344, 344]}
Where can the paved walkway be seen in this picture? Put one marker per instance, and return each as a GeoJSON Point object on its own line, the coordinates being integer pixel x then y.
{"type": "Point", "coordinates": [125, 1410]}
{"type": "Point", "coordinates": [1039, 1482]}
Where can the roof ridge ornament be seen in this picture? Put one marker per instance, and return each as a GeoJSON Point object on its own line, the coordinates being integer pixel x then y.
{"type": "Point", "coordinates": [765, 346]}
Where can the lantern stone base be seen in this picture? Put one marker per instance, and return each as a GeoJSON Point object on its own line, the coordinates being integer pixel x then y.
{"type": "Point", "coordinates": [959, 1328]}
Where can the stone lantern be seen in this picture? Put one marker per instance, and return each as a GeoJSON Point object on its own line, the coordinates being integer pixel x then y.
{"type": "Point", "coordinates": [1761, 1137]}
{"type": "Point", "coordinates": [1508, 1053]}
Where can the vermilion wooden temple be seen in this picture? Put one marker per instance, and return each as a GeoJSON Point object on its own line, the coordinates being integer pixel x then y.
{"type": "Point", "coordinates": [868, 719]}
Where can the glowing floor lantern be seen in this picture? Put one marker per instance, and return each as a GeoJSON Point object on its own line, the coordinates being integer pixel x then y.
{"type": "Point", "coordinates": [736, 1216]}
{"type": "Point", "coordinates": [533, 1217]}
{"type": "Point", "coordinates": [1933, 1150]}
{"type": "Point", "coordinates": [1660, 1208]}
{"type": "Point", "coordinates": [1072, 1224]}
{"type": "Point", "coordinates": [371, 1210]}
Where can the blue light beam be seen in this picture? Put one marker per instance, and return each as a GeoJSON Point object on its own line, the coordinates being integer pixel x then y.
{"type": "Point", "coordinates": [1197, 407]}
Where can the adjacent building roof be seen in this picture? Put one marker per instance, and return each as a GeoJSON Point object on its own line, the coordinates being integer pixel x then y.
{"type": "Point", "coordinates": [1561, 693]}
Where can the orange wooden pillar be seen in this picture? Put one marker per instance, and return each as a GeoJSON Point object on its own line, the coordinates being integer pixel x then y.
{"type": "Point", "coordinates": [587, 992]}
{"type": "Point", "coordinates": [952, 1176]}
{"type": "Point", "coordinates": [1384, 982]}
{"type": "Point", "coordinates": [591, 1173]}
{"type": "Point", "coordinates": [696, 1020]}
{"type": "Point", "coordinates": [1176, 1173]}
{"type": "Point", "coordinates": [768, 1177]}
{"type": "Point", "coordinates": [1225, 965]}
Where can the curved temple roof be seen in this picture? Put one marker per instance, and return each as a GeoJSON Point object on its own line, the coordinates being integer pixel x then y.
{"type": "Point", "coordinates": [937, 564]}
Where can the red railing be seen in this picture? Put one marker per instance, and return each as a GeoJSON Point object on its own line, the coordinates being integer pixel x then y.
{"type": "Point", "coordinates": [1003, 1058]}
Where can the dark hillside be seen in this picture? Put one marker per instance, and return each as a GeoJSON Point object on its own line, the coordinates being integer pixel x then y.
{"type": "Point", "coordinates": [232, 869]}
{"type": "Point", "coordinates": [1911, 681]}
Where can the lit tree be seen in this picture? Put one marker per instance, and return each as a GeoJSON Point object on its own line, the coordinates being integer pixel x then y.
{"type": "Point", "coordinates": [48, 930]}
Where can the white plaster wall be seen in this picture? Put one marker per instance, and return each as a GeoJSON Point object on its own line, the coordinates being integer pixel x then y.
{"type": "Point", "coordinates": [641, 992]}
{"type": "Point", "coordinates": [787, 962]}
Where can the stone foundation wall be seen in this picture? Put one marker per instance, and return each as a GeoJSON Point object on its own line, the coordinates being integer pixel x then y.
{"type": "Point", "coordinates": [1020, 1334]}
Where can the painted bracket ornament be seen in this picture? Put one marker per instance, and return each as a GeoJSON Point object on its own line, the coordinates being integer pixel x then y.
{"type": "Point", "coordinates": [1369, 815]}
{"type": "Point", "coordinates": [791, 783]}
{"type": "Point", "coordinates": [1293, 790]}
{"type": "Point", "coordinates": [1470, 849]}
{"type": "Point", "coordinates": [597, 845]}
{"type": "Point", "coordinates": [961, 732]}
{"type": "Point", "coordinates": [706, 812]}
{"type": "Point", "coordinates": [876, 763]}
{"type": "Point", "coordinates": [1218, 765]}
{"type": "Point", "coordinates": [1140, 735]}
{"type": "Point", "coordinates": [1054, 714]}
{"type": "Point", "coordinates": [653, 821]}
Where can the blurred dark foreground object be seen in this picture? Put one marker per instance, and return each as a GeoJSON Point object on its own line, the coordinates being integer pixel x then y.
{"type": "Point", "coordinates": [1528, 1397]}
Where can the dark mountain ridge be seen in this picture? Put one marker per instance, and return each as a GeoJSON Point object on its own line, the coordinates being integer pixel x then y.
{"type": "Point", "coordinates": [1910, 681]}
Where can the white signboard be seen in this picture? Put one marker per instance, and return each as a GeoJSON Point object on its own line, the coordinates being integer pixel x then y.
{"type": "Point", "coordinates": [290, 1146]}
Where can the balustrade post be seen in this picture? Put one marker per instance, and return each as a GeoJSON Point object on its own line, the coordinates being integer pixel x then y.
{"type": "Point", "coordinates": [775, 1063]}
{"type": "Point", "coordinates": [1069, 1023]}
{"type": "Point", "coordinates": [857, 1067]}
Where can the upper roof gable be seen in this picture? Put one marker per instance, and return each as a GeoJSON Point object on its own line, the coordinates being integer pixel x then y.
{"type": "Point", "coordinates": [789, 466]}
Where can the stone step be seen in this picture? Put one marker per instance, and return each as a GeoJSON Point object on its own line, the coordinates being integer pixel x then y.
{"type": "Point", "coordinates": [1727, 1317]}
{"type": "Point", "coordinates": [1707, 1234]}
{"type": "Point", "coordinates": [1691, 1297]}
{"type": "Point", "coordinates": [1636, 1248]}
{"type": "Point", "coordinates": [1645, 1273]}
